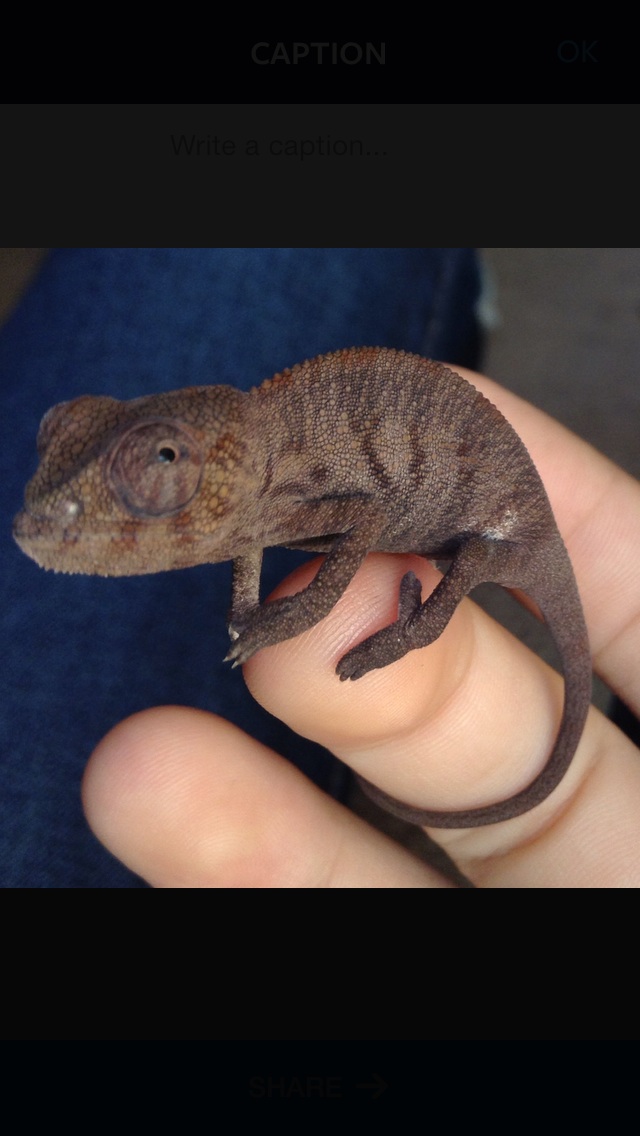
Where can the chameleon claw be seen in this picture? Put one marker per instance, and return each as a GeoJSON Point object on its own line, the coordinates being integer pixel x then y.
{"type": "Point", "coordinates": [238, 653]}
{"type": "Point", "coordinates": [410, 598]}
{"type": "Point", "coordinates": [232, 654]}
{"type": "Point", "coordinates": [347, 668]}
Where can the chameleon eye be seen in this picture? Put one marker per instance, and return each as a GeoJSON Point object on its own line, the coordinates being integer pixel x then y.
{"type": "Point", "coordinates": [167, 454]}
{"type": "Point", "coordinates": [156, 468]}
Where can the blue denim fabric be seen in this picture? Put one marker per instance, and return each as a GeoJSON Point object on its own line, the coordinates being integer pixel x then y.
{"type": "Point", "coordinates": [79, 653]}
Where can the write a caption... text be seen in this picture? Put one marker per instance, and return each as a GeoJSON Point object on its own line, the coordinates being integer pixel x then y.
{"type": "Point", "coordinates": [300, 149]}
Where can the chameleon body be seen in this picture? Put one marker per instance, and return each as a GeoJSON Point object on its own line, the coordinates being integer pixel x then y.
{"type": "Point", "coordinates": [359, 450]}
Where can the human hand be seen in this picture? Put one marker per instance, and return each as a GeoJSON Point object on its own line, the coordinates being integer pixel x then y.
{"type": "Point", "coordinates": [187, 800]}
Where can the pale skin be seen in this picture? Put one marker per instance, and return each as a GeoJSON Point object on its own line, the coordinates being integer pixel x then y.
{"type": "Point", "coordinates": [187, 800]}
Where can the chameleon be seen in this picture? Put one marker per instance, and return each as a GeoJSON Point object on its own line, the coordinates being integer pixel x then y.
{"type": "Point", "coordinates": [360, 450]}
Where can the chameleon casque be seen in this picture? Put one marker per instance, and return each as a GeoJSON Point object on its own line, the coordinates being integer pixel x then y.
{"type": "Point", "coordinates": [358, 450]}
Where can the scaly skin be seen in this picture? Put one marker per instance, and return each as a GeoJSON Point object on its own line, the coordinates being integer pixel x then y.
{"type": "Point", "coordinates": [360, 450]}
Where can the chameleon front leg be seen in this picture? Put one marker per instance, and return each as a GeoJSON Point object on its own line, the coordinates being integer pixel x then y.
{"type": "Point", "coordinates": [254, 626]}
{"type": "Point", "coordinates": [245, 587]}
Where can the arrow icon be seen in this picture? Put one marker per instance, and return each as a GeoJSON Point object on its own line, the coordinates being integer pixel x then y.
{"type": "Point", "coordinates": [377, 1086]}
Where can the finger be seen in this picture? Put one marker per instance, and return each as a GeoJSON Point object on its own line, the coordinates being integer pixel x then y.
{"type": "Point", "coordinates": [185, 799]}
{"type": "Point", "coordinates": [465, 722]}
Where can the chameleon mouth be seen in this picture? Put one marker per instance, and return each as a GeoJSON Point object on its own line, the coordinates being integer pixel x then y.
{"type": "Point", "coordinates": [68, 549]}
{"type": "Point", "coordinates": [97, 550]}
{"type": "Point", "coordinates": [44, 540]}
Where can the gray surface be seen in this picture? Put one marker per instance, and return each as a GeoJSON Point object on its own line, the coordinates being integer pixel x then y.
{"type": "Point", "coordinates": [568, 339]}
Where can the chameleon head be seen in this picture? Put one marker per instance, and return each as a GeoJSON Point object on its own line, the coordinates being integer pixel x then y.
{"type": "Point", "coordinates": [125, 488]}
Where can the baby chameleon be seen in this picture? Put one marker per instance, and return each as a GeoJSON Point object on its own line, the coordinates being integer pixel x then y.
{"type": "Point", "coordinates": [359, 450]}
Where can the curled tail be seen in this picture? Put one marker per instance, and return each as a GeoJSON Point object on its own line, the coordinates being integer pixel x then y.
{"type": "Point", "coordinates": [555, 591]}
